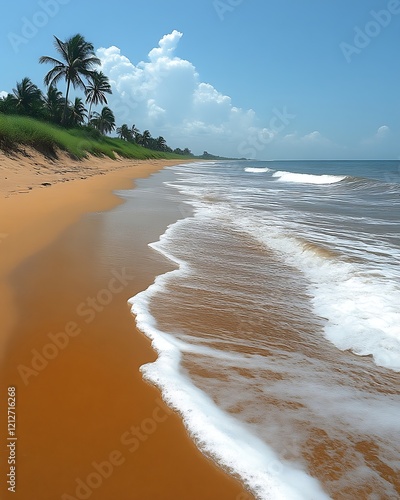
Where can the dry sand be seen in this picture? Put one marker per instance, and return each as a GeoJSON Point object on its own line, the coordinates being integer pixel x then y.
{"type": "Point", "coordinates": [29, 170]}
{"type": "Point", "coordinates": [87, 424]}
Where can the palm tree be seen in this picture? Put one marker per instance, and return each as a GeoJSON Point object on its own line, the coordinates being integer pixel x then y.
{"type": "Point", "coordinates": [104, 121]}
{"type": "Point", "coordinates": [54, 104]}
{"type": "Point", "coordinates": [124, 132]}
{"type": "Point", "coordinates": [135, 132]}
{"type": "Point", "coordinates": [120, 132]}
{"type": "Point", "coordinates": [144, 138]}
{"type": "Point", "coordinates": [8, 105]}
{"type": "Point", "coordinates": [161, 143]}
{"type": "Point", "coordinates": [77, 112]}
{"type": "Point", "coordinates": [27, 98]}
{"type": "Point", "coordinates": [77, 62]}
{"type": "Point", "coordinates": [99, 85]}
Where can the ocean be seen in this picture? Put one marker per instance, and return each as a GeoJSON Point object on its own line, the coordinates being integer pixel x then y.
{"type": "Point", "coordinates": [278, 327]}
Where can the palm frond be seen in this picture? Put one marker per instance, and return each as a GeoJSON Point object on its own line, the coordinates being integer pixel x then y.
{"type": "Point", "coordinates": [55, 75]}
{"type": "Point", "coordinates": [60, 48]}
{"type": "Point", "coordinates": [48, 59]}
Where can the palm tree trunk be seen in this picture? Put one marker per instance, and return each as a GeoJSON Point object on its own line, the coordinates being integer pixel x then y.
{"type": "Point", "coordinates": [66, 103]}
{"type": "Point", "coordinates": [90, 112]}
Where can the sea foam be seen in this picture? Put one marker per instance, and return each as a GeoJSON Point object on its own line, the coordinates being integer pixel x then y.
{"type": "Point", "coordinates": [361, 305]}
{"type": "Point", "coordinates": [216, 433]}
{"type": "Point", "coordinates": [257, 170]}
{"type": "Point", "coordinates": [307, 178]}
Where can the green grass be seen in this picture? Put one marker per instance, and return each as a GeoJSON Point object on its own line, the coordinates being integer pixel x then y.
{"type": "Point", "coordinates": [79, 143]}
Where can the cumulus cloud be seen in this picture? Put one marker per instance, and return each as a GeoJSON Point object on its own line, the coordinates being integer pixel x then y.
{"type": "Point", "coordinates": [313, 138]}
{"type": "Point", "coordinates": [378, 137]}
{"type": "Point", "coordinates": [382, 132]}
{"type": "Point", "coordinates": [3, 94]}
{"type": "Point", "coordinates": [165, 95]}
{"type": "Point", "coordinates": [312, 145]}
{"type": "Point", "coordinates": [166, 46]}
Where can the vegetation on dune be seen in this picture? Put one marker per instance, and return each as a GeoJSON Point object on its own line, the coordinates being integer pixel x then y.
{"type": "Point", "coordinates": [47, 121]}
{"type": "Point", "coordinates": [17, 131]}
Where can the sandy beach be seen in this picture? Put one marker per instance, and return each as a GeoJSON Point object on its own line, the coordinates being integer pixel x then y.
{"type": "Point", "coordinates": [87, 425]}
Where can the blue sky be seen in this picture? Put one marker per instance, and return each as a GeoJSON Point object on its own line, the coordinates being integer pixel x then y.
{"type": "Point", "coordinates": [269, 79]}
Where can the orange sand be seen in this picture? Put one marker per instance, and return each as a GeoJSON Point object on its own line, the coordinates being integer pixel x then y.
{"type": "Point", "coordinates": [87, 424]}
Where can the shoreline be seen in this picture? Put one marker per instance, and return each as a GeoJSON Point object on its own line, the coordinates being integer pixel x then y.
{"type": "Point", "coordinates": [92, 415]}
{"type": "Point", "coordinates": [28, 170]}
{"type": "Point", "coordinates": [40, 215]}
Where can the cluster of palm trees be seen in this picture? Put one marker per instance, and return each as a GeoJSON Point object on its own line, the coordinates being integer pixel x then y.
{"type": "Point", "coordinates": [133, 134]}
{"type": "Point", "coordinates": [76, 66]}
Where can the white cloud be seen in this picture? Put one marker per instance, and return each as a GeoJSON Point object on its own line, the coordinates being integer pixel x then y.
{"type": "Point", "coordinates": [382, 132]}
{"type": "Point", "coordinates": [166, 96]}
{"type": "Point", "coordinates": [3, 94]}
{"type": "Point", "coordinates": [378, 137]}
{"type": "Point", "coordinates": [312, 139]}
{"type": "Point", "coordinates": [166, 46]}
{"type": "Point", "coordinates": [312, 146]}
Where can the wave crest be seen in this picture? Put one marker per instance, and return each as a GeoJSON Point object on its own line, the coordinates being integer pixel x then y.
{"type": "Point", "coordinates": [259, 170]}
{"type": "Point", "coordinates": [308, 178]}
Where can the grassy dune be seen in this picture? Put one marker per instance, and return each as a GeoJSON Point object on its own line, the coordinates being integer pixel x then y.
{"type": "Point", "coordinates": [18, 131]}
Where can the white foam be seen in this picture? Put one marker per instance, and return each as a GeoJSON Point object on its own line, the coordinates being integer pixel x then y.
{"type": "Point", "coordinates": [307, 178]}
{"type": "Point", "coordinates": [363, 312]}
{"type": "Point", "coordinates": [217, 434]}
{"type": "Point", "coordinates": [359, 300]}
{"type": "Point", "coordinates": [257, 170]}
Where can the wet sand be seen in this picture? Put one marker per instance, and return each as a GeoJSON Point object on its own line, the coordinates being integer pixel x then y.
{"type": "Point", "coordinates": [88, 426]}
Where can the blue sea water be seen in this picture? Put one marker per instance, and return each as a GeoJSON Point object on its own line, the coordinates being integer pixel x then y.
{"type": "Point", "coordinates": [278, 332]}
